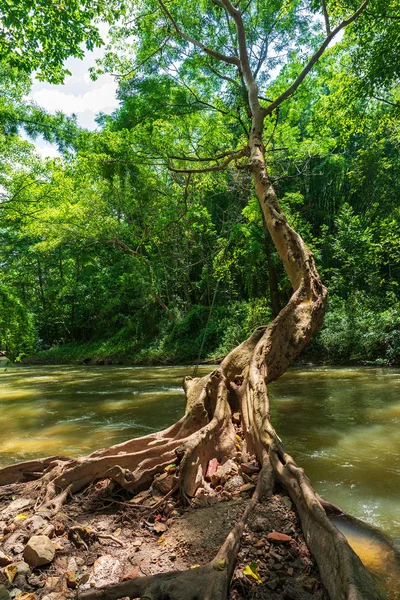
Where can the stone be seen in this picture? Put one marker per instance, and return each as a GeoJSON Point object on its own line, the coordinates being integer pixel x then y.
{"type": "Point", "coordinates": [259, 544]}
{"type": "Point", "coordinates": [290, 571]}
{"type": "Point", "coordinates": [286, 501]}
{"type": "Point", "coordinates": [137, 542]}
{"type": "Point", "coordinates": [39, 551]}
{"type": "Point", "coordinates": [23, 568]}
{"type": "Point", "coordinates": [234, 483]}
{"type": "Point", "coordinates": [106, 570]}
{"type": "Point", "coordinates": [279, 538]}
{"type": "Point", "coordinates": [35, 523]}
{"type": "Point", "coordinates": [211, 468]}
{"type": "Point", "coordinates": [164, 483]}
{"type": "Point", "coordinates": [4, 593]}
{"type": "Point", "coordinates": [249, 468]}
{"type": "Point", "coordinates": [223, 472]}
{"type": "Point", "coordinates": [201, 498]}
{"type": "Point", "coordinates": [260, 524]}
{"type": "Point", "coordinates": [35, 581]}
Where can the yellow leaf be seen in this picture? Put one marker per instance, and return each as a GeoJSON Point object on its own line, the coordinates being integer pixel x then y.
{"type": "Point", "coordinates": [11, 572]}
{"type": "Point", "coordinates": [117, 532]}
{"type": "Point", "coordinates": [194, 566]}
{"type": "Point", "coordinates": [161, 540]}
{"type": "Point", "coordinates": [251, 570]}
{"type": "Point", "coordinates": [20, 517]}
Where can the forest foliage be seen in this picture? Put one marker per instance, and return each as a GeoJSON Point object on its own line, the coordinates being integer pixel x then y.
{"type": "Point", "coordinates": [113, 253]}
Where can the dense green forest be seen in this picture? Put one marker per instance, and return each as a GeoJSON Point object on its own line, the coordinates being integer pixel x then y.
{"type": "Point", "coordinates": [119, 251]}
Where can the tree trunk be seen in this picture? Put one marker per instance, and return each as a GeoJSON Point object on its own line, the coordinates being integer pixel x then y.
{"type": "Point", "coordinates": [206, 431]}
{"type": "Point", "coordinates": [272, 275]}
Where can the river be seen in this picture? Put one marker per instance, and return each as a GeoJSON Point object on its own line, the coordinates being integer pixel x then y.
{"type": "Point", "coordinates": [340, 424]}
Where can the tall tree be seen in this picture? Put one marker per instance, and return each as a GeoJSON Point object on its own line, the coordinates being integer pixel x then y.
{"type": "Point", "coordinates": [228, 50]}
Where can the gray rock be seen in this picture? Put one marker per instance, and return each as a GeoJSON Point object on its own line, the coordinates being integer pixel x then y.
{"type": "Point", "coordinates": [234, 483]}
{"type": "Point", "coordinates": [39, 551]}
{"type": "Point", "coordinates": [35, 523]}
{"type": "Point", "coordinates": [287, 502]}
{"type": "Point", "coordinates": [23, 568]}
{"type": "Point", "coordinates": [260, 524]}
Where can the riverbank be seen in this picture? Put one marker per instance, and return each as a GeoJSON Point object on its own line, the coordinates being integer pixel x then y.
{"type": "Point", "coordinates": [103, 538]}
{"type": "Point", "coordinates": [349, 337]}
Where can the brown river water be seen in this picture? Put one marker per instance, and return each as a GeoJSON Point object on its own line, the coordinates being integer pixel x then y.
{"type": "Point", "coordinates": [340, 424]}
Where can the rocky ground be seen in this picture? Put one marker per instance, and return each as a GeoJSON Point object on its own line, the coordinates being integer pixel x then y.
{"type": "Point", "coordinates": [103, 536]}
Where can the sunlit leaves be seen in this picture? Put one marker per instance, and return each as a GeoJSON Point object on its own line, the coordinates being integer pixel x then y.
{"type": "Point", "coordinates": [39, 36]}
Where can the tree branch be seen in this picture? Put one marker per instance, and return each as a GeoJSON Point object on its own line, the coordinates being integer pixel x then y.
{"type": "Point", "coordinates": [326, 17]}
{"type": "Point", "coordinates": [244, 56]}
{"type": "Point", "coordinates": [224, 77]}
{"type": "Point", "coordinates": [387, 101]}
{"type": "Point", "coordinates": [291, 89]}
{"type": "Point", "coordinates": [230, 60]}
{"type": "Point", "coordinates": [200, 159]}
{"type": "Point", "coordinates": [221, 167]}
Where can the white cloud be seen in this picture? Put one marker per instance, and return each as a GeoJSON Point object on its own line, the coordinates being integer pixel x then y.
{"type": "Point", "coordinates": [100, 99]}
{"type": "Point", "coordinates": [45, 149]}
{"type": "Point", "coordinates": [79, 94]}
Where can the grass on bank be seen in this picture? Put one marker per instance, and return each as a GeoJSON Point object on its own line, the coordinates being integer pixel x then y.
{"type": "Point", "coordinates": [351, 335]}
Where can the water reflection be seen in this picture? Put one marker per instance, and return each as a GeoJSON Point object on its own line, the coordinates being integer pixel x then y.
{"type": "Point", "coordinates": [340, 424]}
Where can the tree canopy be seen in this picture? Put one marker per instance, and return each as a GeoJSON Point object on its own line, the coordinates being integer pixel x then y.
{"type": "Point", "coordinates": [147, 237]}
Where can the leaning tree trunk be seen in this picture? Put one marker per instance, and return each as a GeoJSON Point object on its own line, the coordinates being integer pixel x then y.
{"type": "Point", "coordinates": [206, 431]}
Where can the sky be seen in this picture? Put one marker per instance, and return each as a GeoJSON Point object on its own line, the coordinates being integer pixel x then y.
{"type": "Point", "coordinates": [79, 95]}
